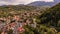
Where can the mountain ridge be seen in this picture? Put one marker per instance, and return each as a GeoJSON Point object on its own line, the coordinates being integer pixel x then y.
{"type": "Point", "coordinates": [43, 3]}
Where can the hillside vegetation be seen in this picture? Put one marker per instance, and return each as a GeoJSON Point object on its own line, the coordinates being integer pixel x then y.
{"type": "Point", "coordinates": [51, 17]}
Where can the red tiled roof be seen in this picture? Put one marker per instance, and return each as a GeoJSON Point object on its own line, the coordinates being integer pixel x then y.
{"type": "Point", "coordinates": [2, 33]}
{"type": "Point", "coordinates": [20, 29]}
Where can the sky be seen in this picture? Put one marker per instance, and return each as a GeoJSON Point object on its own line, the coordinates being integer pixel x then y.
{"type": "Point", "coordinates": [16, 2]}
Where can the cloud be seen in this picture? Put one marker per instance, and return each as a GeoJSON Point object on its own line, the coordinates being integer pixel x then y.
{"type": "Point", "coordinates": [16, 2]}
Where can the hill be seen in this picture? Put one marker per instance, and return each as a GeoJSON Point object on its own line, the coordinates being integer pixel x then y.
{"type": "Point", "coordinates": [5, 10]}
{"type": "Point", "coordinates": [52, 17]}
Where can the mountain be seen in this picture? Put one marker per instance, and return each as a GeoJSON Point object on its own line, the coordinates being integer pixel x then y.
{"type": "Point", "coordinates": [43, 3]}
